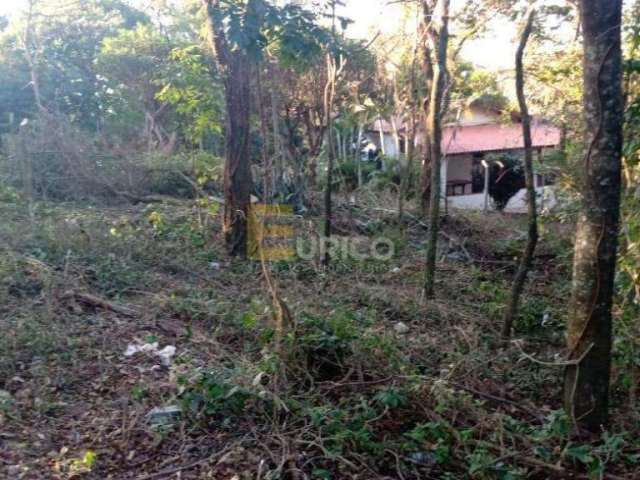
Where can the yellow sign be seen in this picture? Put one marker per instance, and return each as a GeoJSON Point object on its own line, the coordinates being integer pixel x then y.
{"type": "Point", "coordinates": [270, 232]}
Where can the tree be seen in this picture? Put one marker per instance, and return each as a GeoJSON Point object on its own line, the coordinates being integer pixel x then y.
{"type": "Point", "coordinates": [334, 69]}
{"type": "Point", "coordinates": [132, 64]}
{"type": "Point", "coordinates": [435, 24]}
{"type": "Point", "coordinates": [532, 233]}
{"type": "Point", "coordinates": [587, 375]}
{"type": "Point", "coordinates": [59, 42]}
{"type": "Point", "coordinates": [234, 64]}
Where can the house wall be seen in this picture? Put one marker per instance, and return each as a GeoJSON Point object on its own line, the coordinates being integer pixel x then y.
{"type": "Point", "coordinates": [546, 200]}
{"type": "Point", "coordinates": [459, 168]}
{"type": "Point", "coordinates": [389, 143]}
{"type": "Point", "coordinates": [390, 146]}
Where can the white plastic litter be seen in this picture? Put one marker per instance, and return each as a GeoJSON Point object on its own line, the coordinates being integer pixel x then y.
{"type": "Point", "coordinates": [401, 328]}
{"type": "Point", "coordinates": [163, 415]}
{"type": "Point", "coordinates": [165, 355]}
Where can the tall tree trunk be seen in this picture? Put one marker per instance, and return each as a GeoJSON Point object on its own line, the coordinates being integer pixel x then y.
{"type": "Point", "coordinates": [405, 180]}
{"type": "Point", "coordinates": [358, 154]}
{"type": "Point", "coordinates": [381, 135]}
{"type": "Point", "coordinates": [278, 151]}
{"type": "Point", "coordinates": [396, 138]}
{"type": "Point", "coordinates": [439, 38]}
{"type": "Point", "coordinates": [527, 256]}
{"type": "Point", "coordinates": [427, 71]}
{"type": "Point", "coordinates": [267, 167]}
{"type": "Point", "coordinates": [407, 170]}
{"type": "Point", "coordinates": [330, 89]}
{"type": "Point", "coordinates": [425, 177]}
{"type": "Point", "coordinates": [586, 387]}
{"type": "Point", "coordinates": [236, 70]}
{"type": "Point", "coordinates": [237, 169]}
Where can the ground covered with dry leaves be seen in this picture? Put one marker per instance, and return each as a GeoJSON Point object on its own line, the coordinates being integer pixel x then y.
{"type": "Point", "coordinates": [370, 382]}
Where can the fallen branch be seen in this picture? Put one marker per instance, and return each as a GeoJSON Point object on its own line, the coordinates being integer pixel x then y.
{"type": "Point", "coordinates": [98, 302]}
{"type": "Point", "coordinates": [170, 471]}
{"type": "Point", "coordinates": [488, 396]}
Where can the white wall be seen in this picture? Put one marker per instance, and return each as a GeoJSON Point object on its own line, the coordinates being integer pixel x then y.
{"type": "Point", "coordinates": [389, 143]}
{"type": "Point", "coordinates": [459, 168]}
{"type": "Point", "coordinates": [390, 146]}
{"type": "Point", "coordinates": [546, 199]}
{"type": "Point", "coordinates": [517, 204]}
{"type": "Point", "coordinates": [467, 202]}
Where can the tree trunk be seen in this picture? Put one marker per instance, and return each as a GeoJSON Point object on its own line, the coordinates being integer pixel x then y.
{"type": "Point", "coordinates": [328, 101]}
{"type": "Point", "coordinates": [381, 135]}
{"type": "Point", "coordinates": [267, 167]}
{"type": "Point", "coordinates": [586, 387]}
{"type": "Point", "coordinates": [358, 154]}
{"type": "Point", "coordinates": [237, 169]}
{"type": "Point", "coordinates": [439, 37]}
{"type": "Point", "coordinates": [278, 164]}
{"type": "Point", "coordinates": [405, 180]}
{"type": "Point", "coordinates": [236, 71]}
{"type": "Point", "coordinates": [407, 170]}
{"type": "Point", "coordinates": [527, 256]}
{"type": "Point", "coordinates": [427, 71]}
{"type": "Point", "coordinates": [425, 180]}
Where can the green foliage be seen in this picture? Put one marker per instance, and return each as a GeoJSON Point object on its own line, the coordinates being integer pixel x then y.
{"type": "Point", "coordinates": [494, 295]}
{"type": "Point", "coordinates": [215, 397]}
{"type": "Point", "coordinates": [391, 397]}
{"type": "Point", "coordinates": [434, 435]}
{"type": "Point", "coordinates": [478, 88]}
{"type": "Point", "coordinates": [326, 343]}
{"type": "Point", "coordinates": [63, 41]}
{"type": "Point", "coordinates": [347, 173]}
{"type": "Point", "coordinates": [187, 85]}
{"type": "Point", "coordinates": [483, 465]}
{"type": "Point", "coordinates": [347, 427]}
{"type": "Point", "coordinates": [627, 347]}
{"type": "Point", "coordinates": [597, 458]}
{"type": "Point", "coordinates": [132, 64]}
{"type": "Point", "coordinates": [295, 38]}
{"type": "Point", "coordinates": [252, 26]}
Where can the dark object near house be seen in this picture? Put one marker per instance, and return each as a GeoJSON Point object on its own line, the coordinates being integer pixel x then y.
{"type": "Point", "coordinates": [506, 178]}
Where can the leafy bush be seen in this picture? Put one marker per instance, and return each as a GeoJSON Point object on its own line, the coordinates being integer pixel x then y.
{"type": "Point", "coordinates": [347, 173]}
{"type": "Point", "coordinates": [326, 343]}
{"type": "Point", "coordinates": [213, 397]}
{"type": "Point", "coordinates": [347, 427]}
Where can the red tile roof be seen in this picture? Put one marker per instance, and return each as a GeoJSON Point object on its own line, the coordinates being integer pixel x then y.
{"type": "Point", "coordinates": [493, 137]}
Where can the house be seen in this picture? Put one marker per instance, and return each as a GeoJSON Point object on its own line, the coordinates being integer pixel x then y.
{"type": "Point", "coordinates": [467, 144]}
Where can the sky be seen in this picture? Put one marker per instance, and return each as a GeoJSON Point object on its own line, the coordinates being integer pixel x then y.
{"type": "Point", "coordinates": [494, 51]}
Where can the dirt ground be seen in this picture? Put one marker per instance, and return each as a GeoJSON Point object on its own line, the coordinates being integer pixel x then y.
{"type": "Point", "coordinates": [371, 381]}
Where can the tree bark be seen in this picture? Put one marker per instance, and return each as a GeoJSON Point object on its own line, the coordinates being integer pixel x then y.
{"type": "Point", "coordinates": [236, 70]}
{"type": "Point", "coordinates": [427, 70]}
{"type": "Point", "coordinates": [358, 153]}
{"type": "Point", "coordinates": [405, 180]}
{"type": "Point", "coordinates": [439, 39]}
{"type": "Point", "coordinates": [589, 336]}
{"type": "Point", "coordinates": [532, 237]}
{"type": "Point", "coordinates": [330, 89]}
{"type": "Point", "coordinates": [278, 152]}
{"type": "Point", "coordinates": [267, 167]}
